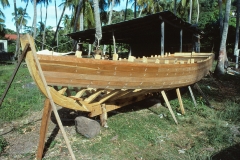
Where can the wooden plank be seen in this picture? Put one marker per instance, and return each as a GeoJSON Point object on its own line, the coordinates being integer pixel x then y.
{"type": "Point", "coordinates": [192, 95]}
{"type": "Point", "coordinates": [103, 116]}
{"type": "Point", "coordinates": [62, 91]}
{"type": "Point", "coordinates": [43, 129]}
{"type": "Point", "coordinates": [92, 97]}
{"type": "Point", "coordinates": [108, 96]}
{"type": "Point", "coordinates": [169, 106]}
{"type": "Point", "coordinates": [96, 110]}
{"type": "Point", "coordinates": [80, 93]}
{"type": "Point", "coordinates": [119, 95]}
{"type": "Point", "coordinates": [122, 85]}
{"type": "Point", "coordinates": [180, 101]}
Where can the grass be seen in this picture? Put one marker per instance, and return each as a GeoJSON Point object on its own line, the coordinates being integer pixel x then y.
{"type": "Point", "coordinates": [19, 101]}
{"type": "Point", "coordinates": [148, 133]}
{"type": "Point", "coordinates": [3, 144]}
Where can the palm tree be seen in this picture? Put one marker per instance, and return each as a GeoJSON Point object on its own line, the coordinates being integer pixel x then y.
{"type": "Point", "coordinates": [78, 10]}
{"type": "Point", "coordinates": [21, 18]}
{"type": "Point", "coordinates": [98, 35]}
{"type": "Point", "coordinates": [34, 18]}
{"type": "Point", "coordinates": [60, 20]}
{"type": "Point", "coordinates": [222, 62]}
{"type": "Point", "coordinates": [46, 3]}
{"type": "Point", "coordinates": [236, 51]}
{"type": "Point", "coordinates": [220, 16]}
{"type": "Point", "coordinates": [18, 32]}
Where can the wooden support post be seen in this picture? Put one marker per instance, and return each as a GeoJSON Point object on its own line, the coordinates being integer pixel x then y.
{"type": "Point", "coordinates": [169, 106]}
{"type": "Point", "coordinates": [103, 116]}
{"type": "Point", "coordinates": [203, 95]}
{"type": "Point", "coordinates": [180, 101]}
{"type": "Point", "coordinates": [44, 126]}
{"type": "Point", "coordinates": [193, 98]}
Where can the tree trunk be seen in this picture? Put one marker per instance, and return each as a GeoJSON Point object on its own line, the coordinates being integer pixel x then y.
{"type": "Point", "coordinates": [109, 22]}
{"type": "Point", "coordinates": [56, 32]}
{"type": "Point", "coordinates": [44, 30]}
{"type": "Point", "coordinates": [110, 14]}
{"type": "Point", "coordinates": [135, 9]}
{"type": "Point", "coordinates": [190, 13]}
{"type": "Point", "coordinates": [59, 22]}
{"type": "Point", "coordinates": [81, 22]}
{"type": "Point", "coordinates": [98, 35]}
{"type": "Point", "coordinates": [140, 13]}
{"type": "Point", "coordinates": [236, 51]}
{"type": "Point", "coordinates": [220, 16]}
{"type": "Point", "coordinates": [125, 17]}
{"type": "Point", "coordinates": [77, 15]}
{"type": "Point", "coordinates": [175, 7]}
{"type": "Point", "coordinates": [18, 33]}
{"type": "Point", "coordinates": [222, 62]}
{"type": "Point", "coordinates": [35, 19]}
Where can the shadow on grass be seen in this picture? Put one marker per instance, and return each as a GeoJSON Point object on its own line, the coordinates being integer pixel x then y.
{"type": "Point", "coordinates": [230, 153]}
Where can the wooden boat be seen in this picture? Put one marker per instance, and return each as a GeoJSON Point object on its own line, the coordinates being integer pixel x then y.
{"type": "Point", "coordinates": [97, 86]}
{"type": "Point", "coordinates": [85, 84]}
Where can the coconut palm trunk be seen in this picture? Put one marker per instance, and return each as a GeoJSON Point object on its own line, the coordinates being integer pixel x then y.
{"type": "Point", "coordinates": [222, 62]}
{"type": "Point", "coordinates": [44, 30]}
{"type": "Point", "coordinates": [35, 19]}
{"type": "Point", "coordinates": [220, 16]}
{"type": "Point", "coordinates": [77, 15]}
{"type": "Point", "coordinates": [59, 22]}
{"type": "Point", "coordinates": [190, 12]}
{"type": "Point", "coordinates": [98, 34]}
{"type": "Point", "coordinates": [18, 32]}
{"type": "Point", "coordinates": [236, 51]}
{"type": "Point", "coordinates": [109, 21]}
{"type": "Point", "coordinates": [125, 15]}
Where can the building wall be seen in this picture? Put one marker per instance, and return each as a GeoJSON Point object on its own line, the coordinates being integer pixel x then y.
{"type": "Point", "coordinates": [3, 46]}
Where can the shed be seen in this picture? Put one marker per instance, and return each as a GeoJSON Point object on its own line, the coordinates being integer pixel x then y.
{"type": "Point", "coordinates": [144, 34]}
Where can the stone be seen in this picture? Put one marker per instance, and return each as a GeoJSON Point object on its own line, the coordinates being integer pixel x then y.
{"type": "Point", "coordinates": [87, 127]}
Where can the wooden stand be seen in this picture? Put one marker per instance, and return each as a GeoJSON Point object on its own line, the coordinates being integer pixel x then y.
{"type": "Point", "coordinates": [193, 98]}
{"type": "Point", "coordinates": [180, 101]}
{"type": "Point", "coordinates": [169, 106]}
{"type": "Point", "coordinates": [44, 126]}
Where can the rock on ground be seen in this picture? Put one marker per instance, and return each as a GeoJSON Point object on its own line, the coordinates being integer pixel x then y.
{"type": "Point", "coordinates": [87, 127]}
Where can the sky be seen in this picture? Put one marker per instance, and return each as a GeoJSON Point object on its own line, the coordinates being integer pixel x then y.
{"type": "Point", "coordinates": [51, 20]}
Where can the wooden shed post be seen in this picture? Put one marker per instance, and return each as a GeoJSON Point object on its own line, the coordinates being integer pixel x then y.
{"type": "Point", "coordinates": [181, 34]}
{"type": "Point", "coordinates": [162, 38]}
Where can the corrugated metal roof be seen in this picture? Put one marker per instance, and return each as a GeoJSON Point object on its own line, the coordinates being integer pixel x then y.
{"type": "Point", "coordinates": [129, 31]}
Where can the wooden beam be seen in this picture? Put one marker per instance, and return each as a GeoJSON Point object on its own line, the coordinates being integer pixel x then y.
{"type": "Point", "coordinates": [192, 95]}
{"type": "Point", "coordinates": [180, 101]}
{"type": "Point", "coordinates": [43, 129]}
{"type": "Point", "coordinates": [169, 106]}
